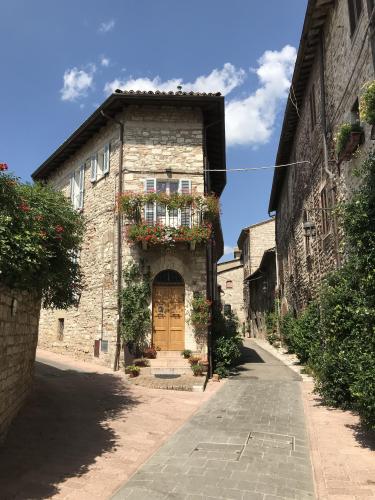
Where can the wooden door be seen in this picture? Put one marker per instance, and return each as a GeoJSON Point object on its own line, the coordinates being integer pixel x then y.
{"type": "Point", "coordinates": [168, 317]}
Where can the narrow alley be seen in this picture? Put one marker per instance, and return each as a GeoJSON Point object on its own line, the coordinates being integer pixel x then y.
{"type": "Point", "coordinates": [248, 441]}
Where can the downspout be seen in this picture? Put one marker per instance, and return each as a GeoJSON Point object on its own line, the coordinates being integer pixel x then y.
{"type": "Point", "coordinates": [116, 364]}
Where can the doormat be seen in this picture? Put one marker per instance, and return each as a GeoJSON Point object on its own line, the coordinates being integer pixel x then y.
{"type": "Point", "coordinates": [167, 375]}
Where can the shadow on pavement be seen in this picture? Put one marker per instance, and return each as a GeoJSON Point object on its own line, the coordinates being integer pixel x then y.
{"type": "Point", "coordinates": [60, 431]}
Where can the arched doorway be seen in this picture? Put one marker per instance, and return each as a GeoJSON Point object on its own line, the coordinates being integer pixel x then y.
{"type": "Point", "coordinates": [168, 311]}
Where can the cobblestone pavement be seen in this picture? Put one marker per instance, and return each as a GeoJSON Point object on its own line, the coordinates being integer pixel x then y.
{"type": "Point", "coordinates": [248, 442]}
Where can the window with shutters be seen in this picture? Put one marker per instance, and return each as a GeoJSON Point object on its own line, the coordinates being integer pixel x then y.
{"type": "Point", "coordinates": [99, 163]}
{"type": "Point", "coordinates": [77, 187]}
{"type": "Point", "coordinates": [355, 11]}
{"type": "Point", "coordinates": [157, 213]}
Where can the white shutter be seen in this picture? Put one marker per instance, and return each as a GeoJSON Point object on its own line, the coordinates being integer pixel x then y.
{"type": "Point", "coordinates": [150, 208]}
{"type": "Point", "coordinates": [81, 185]}
{"type": "Point", "coordinates": [106, 159]}
{"type": "Point", "coordinates": [150, 185]}
{"type": "Point", "coordinates": [94, 167]}
{"type": "Point", "coordinates": [72, 188]}
{"type": "Point", "coordinates": [185, 188]}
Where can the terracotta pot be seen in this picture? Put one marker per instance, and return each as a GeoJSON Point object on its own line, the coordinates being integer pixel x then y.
{"type": "Point", "coordinates": [216, 377]}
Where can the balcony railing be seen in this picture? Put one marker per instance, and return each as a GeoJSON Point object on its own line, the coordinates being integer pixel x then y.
{"type": "Point", "coordinates": [160, 219]}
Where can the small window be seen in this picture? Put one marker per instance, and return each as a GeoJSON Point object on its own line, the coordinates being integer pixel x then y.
{"type": "Point", "coordinates": [355, 10]}
{"type": "Point", "coordinates": [227, 308]}
{"type": "Point", "coordinates": [60, 328]}
{"type": "Point", "coordinates": [104, 345]}
{"type": "Point", "coordinates": [324, 205]}
{"type": "Point", "coordinates": [229, 284]}
{"type": "Point", "coordinates": [354, 112]}
{"type": "Point", "coordinates": [307, 234]}
{"type": "Point", "coordinates": [312, 107]}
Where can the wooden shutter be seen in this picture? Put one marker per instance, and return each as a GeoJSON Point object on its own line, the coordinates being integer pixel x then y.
{"type": "Point", "coordinates": [185, 186]}
{"type": "Point", "coordinates": [94, 167]}
{"type": "Point", "coordinates": [106, 159]}
{"type": "Point", "coordinates": [150, 185]}
{"type": "Point", "coordinates": [81, 185]}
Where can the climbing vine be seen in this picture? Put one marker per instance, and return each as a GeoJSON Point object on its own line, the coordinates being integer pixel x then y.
{"type": "Point", "coordinates": [135, 313]}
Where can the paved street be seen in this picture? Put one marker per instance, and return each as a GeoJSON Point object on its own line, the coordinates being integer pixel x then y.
{"type": "Point", "coordinates": [247, 442]}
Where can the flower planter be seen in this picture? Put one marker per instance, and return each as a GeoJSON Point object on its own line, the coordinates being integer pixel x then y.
{"type": "Point", "coordinates": [350, 146]}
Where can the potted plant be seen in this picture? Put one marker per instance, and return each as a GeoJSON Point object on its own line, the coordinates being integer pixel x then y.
{"type": "Point", "coordinates": [197, 369]}
{"type": "Point", "coordinates": [194, 360]}
{"type": "Point", "coordinates": [142, 362]}
{"type": "Point", "coordinates": [132, 370]}
{"type": "Point", "coordinates": [347, 140]}
{"type": "Point", "coordinates": [150, 353]}
{"type": "Point", "coordinates": [186, 353]}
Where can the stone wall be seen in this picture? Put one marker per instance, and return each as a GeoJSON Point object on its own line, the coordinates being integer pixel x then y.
{"type": "Point", "coordinates": [156, 139]}
{"type": "Point", "coordinates": [19, 317]}
{"type": "Point", "coordinates": [230, 279]}
{"type": "Point", "coordinates": [348, 65]}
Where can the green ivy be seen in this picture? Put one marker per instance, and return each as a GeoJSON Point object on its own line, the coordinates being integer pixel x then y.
{"type": "Point", "coordinates": [135, 313]}
{"type": "Point", "coordinates": [367, 103]}
{"type": "Point", "coordinates": [336, 336]}
{"type": "Point", "coordinates": [40, 237]}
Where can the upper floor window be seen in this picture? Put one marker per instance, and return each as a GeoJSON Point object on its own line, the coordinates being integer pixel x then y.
{"type": "Point", "coordinates": [312, 107]}
{"type": "Point", "coordinates": [99, 163]}
{"type": "Point", "coordinates": [77, 187]}
{"type": "Point", "coordinates": [159, 213]}
{"type": "Point", "coordinates": [229, 284]}
{"type": "Point", "coordinates": [355, 10]}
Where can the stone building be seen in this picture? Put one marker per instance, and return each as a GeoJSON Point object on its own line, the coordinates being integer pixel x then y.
{"type": "Point", "coordinates": [138, 142]}
{"type": "Point", "coordinates": [335, 59]}
{"type": "Point", "coordinates": [253, 242]}
{"type": "Point", "coordinates": [230, 282]}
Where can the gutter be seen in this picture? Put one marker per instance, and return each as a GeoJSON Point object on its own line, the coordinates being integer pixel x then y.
{"type": "Point", "coordinates": [116, 364]}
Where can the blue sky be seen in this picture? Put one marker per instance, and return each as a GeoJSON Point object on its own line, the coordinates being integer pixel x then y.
{"type": "Point", "coordinates": [242, 47]}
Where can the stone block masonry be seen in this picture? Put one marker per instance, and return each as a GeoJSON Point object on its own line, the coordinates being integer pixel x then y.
{"type": "Point", "coordinates": [19, 320]}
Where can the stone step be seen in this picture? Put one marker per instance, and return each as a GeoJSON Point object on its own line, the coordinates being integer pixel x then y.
{"type": "Point", "coordinates": [169, 370]}
{"type": "Point", "coordinates": [169, 354]}
{"type": "Point", "coordinates": [177, 362]}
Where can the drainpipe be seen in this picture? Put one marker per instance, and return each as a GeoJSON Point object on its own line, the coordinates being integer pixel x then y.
{"type": "Point", "coordinates": [116, 364]}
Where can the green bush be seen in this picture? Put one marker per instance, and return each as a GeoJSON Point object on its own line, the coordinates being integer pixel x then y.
{"type": "Point", "coordinates": [367, 103]}
{"type": "Point", "coordinates": [227, 341]}
{"type": "Point", "coordinates": [40, 238]}
{"type": "Point", "coordinates": [343, 134]}
{"type": "Point", "coordinates": [339, 344]}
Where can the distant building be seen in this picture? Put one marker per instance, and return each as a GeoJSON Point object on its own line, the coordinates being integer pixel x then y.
{"type": "Point", "coordinates": [253, 242]}
{"type": "Point", "coordinates": [230, 282]}
{"type": "Point", "coordinates": [335, 59]}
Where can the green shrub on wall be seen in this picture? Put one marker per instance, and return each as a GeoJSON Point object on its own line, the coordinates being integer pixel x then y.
{"type": "Point", "coordinates": [226, 341]}
{"type": "Point", "coordinates": [40, 237]}
{"type": "Point", "coordinates": [337, 339]}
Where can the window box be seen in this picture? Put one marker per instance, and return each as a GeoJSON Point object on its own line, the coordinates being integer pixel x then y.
{"type": "Point", "coordinates": [347, 139]}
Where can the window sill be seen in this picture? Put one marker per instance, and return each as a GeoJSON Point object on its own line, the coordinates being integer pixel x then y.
{"type": "Point", "coordinates": [98, 179]}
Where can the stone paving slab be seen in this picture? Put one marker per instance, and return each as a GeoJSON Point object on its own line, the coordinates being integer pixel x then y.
{"type": "Point", "coordinates": [248, 442]}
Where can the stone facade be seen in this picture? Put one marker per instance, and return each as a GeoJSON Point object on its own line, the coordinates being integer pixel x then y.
{"type": "Point", "coordinates": [334, 61]}
{"type": "Point", "coordinates": [230, 281]}
{"type": "Point", "coordinates": [160, 142]}
{"type": "Point", "coordinates": [262, 288]}
{"type": "Point", "coordinates": [253, 242]}
{"type": "Point", "coordinates": [19, 317]}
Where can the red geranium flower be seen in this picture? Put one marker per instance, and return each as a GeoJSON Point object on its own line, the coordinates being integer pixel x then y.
{"type": "Point", "coordinates": [3, 166]}
{"type": "Point", "coordinates": [59, 229]}
{"type": "Point", "coordinates": [24, 207]}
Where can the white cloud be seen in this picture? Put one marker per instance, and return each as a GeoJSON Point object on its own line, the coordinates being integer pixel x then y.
{"type": "Point", "coordinates": [77, 82]}
{"type": "Point", "coordinates": [228, 250]}
{"type": "Point", "coordinates": [219, 80]}
{"type": "Point", "coordinates": [104, 61]}
{"type": "Point", "coordinates": [250, 119]}
{"type": "Point", "coordinates": [106, 26]}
